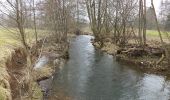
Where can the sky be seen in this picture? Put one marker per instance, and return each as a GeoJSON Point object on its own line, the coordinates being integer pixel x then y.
{"type": "Point", "coordinates": [157, 4]}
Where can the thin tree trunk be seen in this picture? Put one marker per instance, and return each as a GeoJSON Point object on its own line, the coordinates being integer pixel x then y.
{"type": "Point", "coordinates": [20, 23]}
{"type": "Point", "coordinates": [140, 31]}
{"type": "Point", "coordinates": [144, 21]}
{"type": "Point", "coordinates": [160, 35]}
{"type": "Point", "coordinates": [115, 25]}
{"type": "Point", "coordinates": [35, 26]}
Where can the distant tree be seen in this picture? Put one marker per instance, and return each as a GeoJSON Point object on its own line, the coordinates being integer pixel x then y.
{"type": "Point", "coordinates": [164, 14]}
{"type": "Point", "coordinates": [167, 23]}
{"type": "Point", "coordinates": [142, 22]}
{"type": "Point", "coordinates": [96, 10]}
{"type": "Point", "coordinates": [122, 15]}
{"type": "Point", "coordinates": [111, 15]}
{"type": "Point", "coordinates": [149, 19]}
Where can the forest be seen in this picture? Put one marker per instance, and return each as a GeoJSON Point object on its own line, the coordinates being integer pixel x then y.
{"type": "Point", "coordinates": [60, 49]}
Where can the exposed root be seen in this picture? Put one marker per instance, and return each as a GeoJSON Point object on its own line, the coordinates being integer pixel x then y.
{"type": "Point", "coordinates": [160, 60]}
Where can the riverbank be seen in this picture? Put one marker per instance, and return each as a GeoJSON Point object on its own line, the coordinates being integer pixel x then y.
{"type": "Point", "coordinates": [149, 59]}
{"type": "Point", "coordinates": [13, 72]}
{"type": "Point", "coordinates": [53, 58]}
{"type": "Point", "coordinates": [90, 74]}
{"type": "Point", "coordinates": [13, 75]}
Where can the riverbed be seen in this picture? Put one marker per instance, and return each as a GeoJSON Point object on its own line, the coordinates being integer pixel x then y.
{"type": "Point", "coordinates": [90, 74]}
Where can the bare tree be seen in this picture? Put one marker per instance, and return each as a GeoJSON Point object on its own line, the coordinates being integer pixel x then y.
{"type": "Point", "coordinates": [160, 35]}
{"type": "Point", "coordinates": [96, 11]}
{"type": "Point", "coordinates": [142, 22]}
{"type": "Point", "coordinates": [122, 18]}
{"type": "Point", "coordinates": [18, 9]}
{"type": "Point", "coordinates": [35, 25]}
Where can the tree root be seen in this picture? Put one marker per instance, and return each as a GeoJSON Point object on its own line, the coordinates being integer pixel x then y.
{"type": "Point", "coordinates": [160, 60]}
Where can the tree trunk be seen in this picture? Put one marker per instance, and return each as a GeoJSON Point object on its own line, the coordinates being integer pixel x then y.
{"type": "Point", "coordinates": [144, 21]}
{"type": "Point", "coordinates": [160, 35]}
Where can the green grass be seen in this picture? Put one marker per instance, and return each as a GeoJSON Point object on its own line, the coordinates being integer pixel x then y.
{"type": "Point", "coordinates": [149, 33]}
{"type": "Point", "coordinates": [12, 36]}
{"type": "Point", "coordinates": [155, 35]}
{"type": "Point", "coordinates": [152, 33]}
{"type": "Point", "coordinates": [3, 94]}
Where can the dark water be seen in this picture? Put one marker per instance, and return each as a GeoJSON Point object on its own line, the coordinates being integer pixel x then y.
{"type": "Point", "coordinates": [93, 75]}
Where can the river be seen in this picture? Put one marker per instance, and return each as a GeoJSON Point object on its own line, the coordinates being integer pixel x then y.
{"type": "Point", "coordinates": [90, 74]}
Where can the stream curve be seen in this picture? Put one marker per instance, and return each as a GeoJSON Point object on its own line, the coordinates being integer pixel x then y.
{"type": "Point", "coordinates": [91, 74]}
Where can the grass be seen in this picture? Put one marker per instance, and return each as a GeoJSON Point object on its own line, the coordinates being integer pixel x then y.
{"type": "Point", "coordinates": [153, 33]}
{"type": "Point", "coordinates": [9, 39]}
{"type": "Point", "coordinates": [149, 33]}
{"type": "Point", "coordinates": [37, 94]}
{"type": "Point", "coordinates": [12, 36]}
{"type": "Point", "coordinates": [4, 94]}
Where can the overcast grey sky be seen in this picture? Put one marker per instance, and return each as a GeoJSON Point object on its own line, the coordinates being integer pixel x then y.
{"type": "Point", "coordinates": [156, 3]}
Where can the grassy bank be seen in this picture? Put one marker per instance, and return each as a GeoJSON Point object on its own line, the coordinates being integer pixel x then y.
{"type": "Point", "coordinates": [11, 52]}
{"type": "Point", "coordinates": [150, 59]}
{"type": "Point", "coordinates": [9, 42]}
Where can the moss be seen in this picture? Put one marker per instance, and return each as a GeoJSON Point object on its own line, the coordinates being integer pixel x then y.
{"type": "Point", "coordinates": [37, 95]}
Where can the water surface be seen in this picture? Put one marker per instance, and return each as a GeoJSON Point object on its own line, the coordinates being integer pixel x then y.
{"type": "Point", "coordinates": [92, 75]}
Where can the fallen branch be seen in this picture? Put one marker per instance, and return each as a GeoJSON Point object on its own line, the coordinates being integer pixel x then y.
{"type": "Point", "coordinates": [160, 60]}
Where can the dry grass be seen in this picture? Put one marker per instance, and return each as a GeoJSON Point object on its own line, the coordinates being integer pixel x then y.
{"type": "Point", "coordinates": [86, 29]}
{"type": "Point", "coordinates": [9, 40]}
{"type": "Point", "coordinates": [44, 72]}
{"type": "Point", "coordinates": [5, 52]}
{"type": "Point", "coordinates": [4, 94]}
{"type": "Point", "coordinates": [12, 36]}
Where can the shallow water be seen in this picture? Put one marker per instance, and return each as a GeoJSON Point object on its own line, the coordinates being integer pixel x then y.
{"type": "Point", "coordinates": [92, 75]}
{"type": "Point", "coordinates": [41, 62]}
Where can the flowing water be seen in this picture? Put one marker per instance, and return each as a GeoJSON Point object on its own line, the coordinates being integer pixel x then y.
{"type": "Point", "coordinates": [92, 75]}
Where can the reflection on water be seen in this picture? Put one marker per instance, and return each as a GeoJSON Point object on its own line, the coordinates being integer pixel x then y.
{"type": "Point", "coordinates": [92, 75]}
